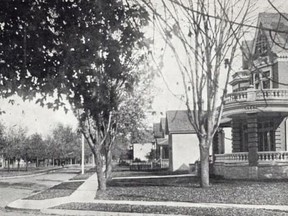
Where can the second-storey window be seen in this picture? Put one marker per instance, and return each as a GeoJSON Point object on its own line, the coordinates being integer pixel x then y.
{"type": "Point", "coordinates": [262, 80]}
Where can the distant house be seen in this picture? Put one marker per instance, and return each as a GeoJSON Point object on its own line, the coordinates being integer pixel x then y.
{"type": "Point", "coordinates": [141, 150]}
{"type": "Point", "coordinates": [161, 141]}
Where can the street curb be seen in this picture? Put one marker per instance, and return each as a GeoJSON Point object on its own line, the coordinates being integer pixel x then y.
{"type": "Point", "coordinates": [97, 213]}
{"type": "Point", "coordinates": [36, 174]}
{"type": "Point", "coordinates": [7, 207]}
{"type": "Point", "coordinates": [109, 213]}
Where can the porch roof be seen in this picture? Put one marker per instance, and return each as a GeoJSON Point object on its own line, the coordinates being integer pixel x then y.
{"type": "Point", "coordinates": [162, 141]}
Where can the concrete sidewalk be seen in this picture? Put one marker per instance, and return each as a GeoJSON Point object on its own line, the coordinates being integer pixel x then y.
{"type": "Point", "coordinates": [87, 191]}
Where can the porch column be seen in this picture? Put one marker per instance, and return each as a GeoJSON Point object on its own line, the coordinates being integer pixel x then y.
{"type": "Point", "coordinates": [252, 139]}
{"type": "Point", "coordinates": [280, 137]}
{"type": "Point", "coordinates": [236, 140]}
{"type": "Point", "coordinates": [221, 141]}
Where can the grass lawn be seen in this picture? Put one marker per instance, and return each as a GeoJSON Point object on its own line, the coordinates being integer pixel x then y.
{"type": "Point", "coordinates": [61, 190]}
{"type": "Point", "coordinates": [186, 189]}
{"type": "Point", "coordinates": [82, 176]}
{"type": "Point", "coordinates": [169, 210]}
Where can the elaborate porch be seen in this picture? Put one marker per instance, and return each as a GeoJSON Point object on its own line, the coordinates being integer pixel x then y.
{"type": "Point", "coordinates": [269, 164]}
{"type": "Point", "coordinates": [259, 128]}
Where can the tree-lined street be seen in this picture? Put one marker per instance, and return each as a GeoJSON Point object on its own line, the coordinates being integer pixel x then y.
{"type": "Point", "coordinates": [99, 60]}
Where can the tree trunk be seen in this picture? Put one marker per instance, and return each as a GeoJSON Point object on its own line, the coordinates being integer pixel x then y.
{"type": "Point", "coordinates": [8, 164]}
{"type": "Point", "coordinates": [100, 173]}
{"type": "Point", "coordinates": [53, 162]}
{"type": "Point", "coordinates": [108, 170]}
{"type": "Point", "coordinates": [26, 164]}
{"type": "Point", "coordinates": [18, 165]}
{"type": "Point", "coordinates": [37, 162]}
{"type": "Point", "coordinates": [204, 158]}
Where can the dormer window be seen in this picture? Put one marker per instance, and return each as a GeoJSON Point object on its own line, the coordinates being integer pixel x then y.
{"type": "Point", "coordinates": [261, 47]}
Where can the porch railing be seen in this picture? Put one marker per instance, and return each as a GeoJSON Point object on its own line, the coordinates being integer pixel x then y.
{"type": "Point", "coordinates": [160, 164]}
{"type": "Point", "coordinates": [255, 94]}
{"type": "Point", "coordinates": [236, 96]}
{"type": "Point", "coordinates": [273, 156]}
{"type": "Point", "coordinates": [233, 157]}
{"type": "Point", "coordinates": [164, 163]}
{"type": "Point", "coordinates": [267, 156]}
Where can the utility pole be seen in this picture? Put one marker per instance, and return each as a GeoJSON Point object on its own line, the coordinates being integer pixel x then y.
{"type": "Point", "coordinates": [83, 155]}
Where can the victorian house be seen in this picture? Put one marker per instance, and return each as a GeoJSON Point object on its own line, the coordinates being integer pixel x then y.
{"type": "Point", "coordinates": [257, 108]}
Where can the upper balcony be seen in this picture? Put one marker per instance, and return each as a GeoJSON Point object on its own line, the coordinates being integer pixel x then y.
{"type": "Point", "coordinates": [256, 100]}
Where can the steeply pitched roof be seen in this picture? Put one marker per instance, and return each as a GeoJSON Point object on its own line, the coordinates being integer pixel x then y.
{"type": "Point", "coordinates": [178, 122]}
{"type": "Point", "coordinates": [157, 131]}
{"type": "Point", "coordinates": [276, 22]}
{"type": "Point", "coordinates": [247, 47]}
{"type": "Point", "coordinates": [163, 124]}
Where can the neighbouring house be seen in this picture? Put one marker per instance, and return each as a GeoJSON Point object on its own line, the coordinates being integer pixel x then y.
{"type": "Point", "coordinates": [257, 109]}
{"type": "Point", "coordinates": [178, 140]}
{"type": "Point", "coordinates": [182, 139]}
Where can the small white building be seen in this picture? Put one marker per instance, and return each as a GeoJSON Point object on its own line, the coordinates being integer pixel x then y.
{"type": "Point", "coordinates": [141, 150]}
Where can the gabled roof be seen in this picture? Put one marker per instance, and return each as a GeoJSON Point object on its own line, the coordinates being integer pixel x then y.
{"type": "Point", "coordinates": [157, 131]}
{"type": "Point", "coordinates": [247, 49]}
{"type": "Point", "coordinates": [178, 122]}
{"type": "Point", "coordinates": [163, 124]}
{"type": "Point", "coordinates": [278, 23]}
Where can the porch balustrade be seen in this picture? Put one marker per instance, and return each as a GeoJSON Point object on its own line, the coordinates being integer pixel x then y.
{"type": "Point", "coordinates": [164, 163]}
{"type": "Point", "coordinates": [233, 157]}
{"type": "Point", "coordinates": [272, 156]}
{"type": "Point", "coordinates": [259, 95]}
{"type": "Point", "coordinates": [236, 96]}
{"type": "Point", "coordinates": [279, 156]}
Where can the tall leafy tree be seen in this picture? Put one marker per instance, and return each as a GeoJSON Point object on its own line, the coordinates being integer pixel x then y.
{"type": "Point", "coordinates": [34, 149]}
{"type": "Point", "coordinates": [2, 136]}
{"type": "Point", "coordinates": [64, 143]}
{"type": "Point", "coordinates": [84, 50]}
{"type": "Point", "coordinates": [15, 138]}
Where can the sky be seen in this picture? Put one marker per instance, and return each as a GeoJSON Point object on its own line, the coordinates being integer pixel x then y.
{"type": "Point", "coordinates": [33, 117]}
{"type": "Point", "coordinates": [42, 120]}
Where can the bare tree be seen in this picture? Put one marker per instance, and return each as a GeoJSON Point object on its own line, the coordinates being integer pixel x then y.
{"type": "Point", "coordinates": [208, 32]}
